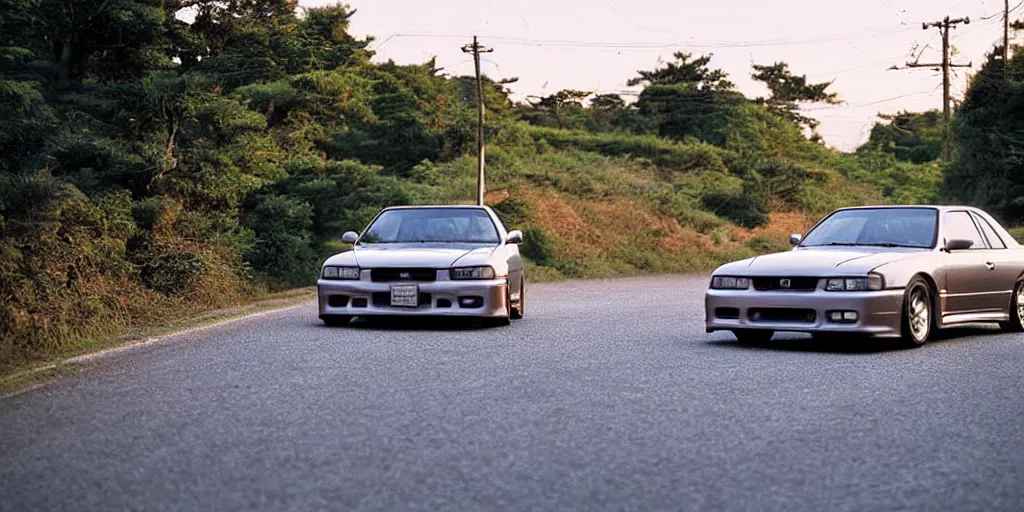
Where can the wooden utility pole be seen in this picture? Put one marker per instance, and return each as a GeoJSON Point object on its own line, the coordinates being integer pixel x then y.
{"type": "Point", "coordinates": [476, 50]}
{"type": "Point", "coordinates": [1006, 40]}
{"type": "Point", "coordinates": [944, 27]}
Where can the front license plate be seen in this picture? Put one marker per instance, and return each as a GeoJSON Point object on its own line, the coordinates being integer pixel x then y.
{"type": "Point", "coordinates": [405, 295]}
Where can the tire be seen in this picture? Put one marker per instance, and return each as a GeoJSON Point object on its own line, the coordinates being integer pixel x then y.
{"type": "Point", "coordinates": [336, 320]}
{"type": "Point", "coordinates": [917, 320]}
{"type": "Point", "coordinates": [753, 336]}
{"type": "Point", "coordinates": [519, 311]}
{"type": "Point", "coordinates": [1016, 322]}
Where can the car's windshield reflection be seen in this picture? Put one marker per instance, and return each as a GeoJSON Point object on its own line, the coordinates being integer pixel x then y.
{"type": "Point", "coordinates": [876, 227]}
{"type": "Point", "coordinates": [432, 226]}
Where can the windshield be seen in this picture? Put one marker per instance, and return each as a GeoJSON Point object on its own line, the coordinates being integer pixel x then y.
{"type": "Point", "coordinates": [427, 225]}
{"type": "Point", "coordinates": [886, 227]}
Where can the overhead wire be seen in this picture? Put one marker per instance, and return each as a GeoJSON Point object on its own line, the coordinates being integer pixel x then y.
{"type": "Point", "coordinates": [660, 45]}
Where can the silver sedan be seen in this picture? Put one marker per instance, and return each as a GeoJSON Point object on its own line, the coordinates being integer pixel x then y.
{"type": "Point", "coordinates": [426, 260]}
{"type": "Point", "coordinates": [896, 271]}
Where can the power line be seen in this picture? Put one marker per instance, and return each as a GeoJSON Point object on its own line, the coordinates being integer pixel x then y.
{"type": "Point", "coordinates": [1000, 14]}
{"type": "Point", "coordinates": [662, 45]}
{"type": "Point", "coordinates": [862, 105]}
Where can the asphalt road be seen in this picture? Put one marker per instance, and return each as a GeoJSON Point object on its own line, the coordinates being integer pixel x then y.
{"type": "Point", "coordinates": [608, 396]}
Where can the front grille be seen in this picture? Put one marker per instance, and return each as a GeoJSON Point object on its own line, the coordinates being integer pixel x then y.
{"type": "Point", "coordinates": [782, 315]}
{"type": "Point", "coordinates": [389, 275]}
{"type": "Point", "coordinates": [796, 284]}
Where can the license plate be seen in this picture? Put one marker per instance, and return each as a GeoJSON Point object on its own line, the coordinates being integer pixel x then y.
{"type": "Point", "coordinates": [405, 295]}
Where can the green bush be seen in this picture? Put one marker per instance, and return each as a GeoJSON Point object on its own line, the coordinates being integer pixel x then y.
{"type": "Point", "coordinates": [282, 246]}
{"type": "Point", "coordinates": [512, 211]}
{"type": "Point", "coordinates": [173, 273]}
{"type": "Point", "coordinates": [764, 244]}
{"type": "Point", "coordinates": [1018, 233]}
{"type": "Point", "coordinates": [538, 246]}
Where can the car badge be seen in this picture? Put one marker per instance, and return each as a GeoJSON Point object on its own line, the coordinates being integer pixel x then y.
{"type": "Point", "coordinates": [405, 275]}
{"type": "Point", "coordinates": [785, 283]}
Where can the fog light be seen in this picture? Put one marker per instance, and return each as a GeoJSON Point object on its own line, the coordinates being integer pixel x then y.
{"type": "Point", "coordinates": [850, 316]}
{"type": "Point", "coordinates": [836, 316]}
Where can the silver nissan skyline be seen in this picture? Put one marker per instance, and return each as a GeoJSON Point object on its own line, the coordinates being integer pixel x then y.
{"type": "Point", "coordinates": [886, 271]}
{"type": "Point", "coordinates": [426, 260]}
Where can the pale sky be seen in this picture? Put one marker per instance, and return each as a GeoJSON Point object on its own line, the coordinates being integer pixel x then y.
{"type": "Point", "coordinates": [597, 45]}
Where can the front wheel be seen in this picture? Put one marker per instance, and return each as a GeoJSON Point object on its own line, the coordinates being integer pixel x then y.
{"type": "Point", "coordinates": [917, 318]}
{"type": "Point", "coordinates": [1016, 322]}
{"type": "Point", "coordinates": [753, 336]}
{"type": "Point", "coordinates": [519, 311]}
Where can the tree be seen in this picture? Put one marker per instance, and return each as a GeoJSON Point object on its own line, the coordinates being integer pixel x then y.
{"type": "Point", "coordinates": [556, 105]}
{"type": "Point", "coordinates": [684, 71]}
{"type": "Point", "coordinates": [987, 168]}
{"type": "Point", "coordinates": [789, 91]}
{"type": "Point", "coordinates": [685, 99]}
{"type": "Point", "coordinates": [910, 136]}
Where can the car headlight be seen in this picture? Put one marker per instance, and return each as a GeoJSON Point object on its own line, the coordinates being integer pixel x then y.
{"type": "Point", "coordinates": [341, 273]}
{"type": "Point", "coordinates": [730, 283]}
{"type": "Point", "coordinates": [872, 282]}
{"type": "Point", "coordinates": [472, 273]}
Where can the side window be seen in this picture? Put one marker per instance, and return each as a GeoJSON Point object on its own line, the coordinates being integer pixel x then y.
{"type": "Point", "coordinates": [990, 234]}
{"type": "Point", "coordinates": [960, 226]}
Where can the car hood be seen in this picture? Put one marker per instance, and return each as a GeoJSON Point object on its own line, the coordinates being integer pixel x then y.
{"type": "Point", "coordinates": [415, 255]}
{"type": "Point", "coordinates": [820, 261]}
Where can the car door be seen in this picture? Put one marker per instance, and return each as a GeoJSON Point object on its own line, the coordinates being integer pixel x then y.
{"type": "Point", "coordinates": [969, 280]}
{"type": "Point", "coordinates": [1004, 267]}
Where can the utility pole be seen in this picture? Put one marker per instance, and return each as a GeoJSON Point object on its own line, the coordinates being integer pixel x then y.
{"type": "Point", "coordinates": [1006, 40]}
{"type": "Point", "coordinates": [476, 50]}
{"type": "Point", "coordinates": [944, 27]}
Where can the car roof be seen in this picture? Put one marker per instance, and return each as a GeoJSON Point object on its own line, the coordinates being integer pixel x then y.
{"type": "Point", "coordinates": [438, 207]}
{"type": "Point", "coordinates": [942, 208]}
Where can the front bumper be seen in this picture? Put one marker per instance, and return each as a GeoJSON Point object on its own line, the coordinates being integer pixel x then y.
{"type": "Point", "coordinates": [878, 311]}
{"type": "Point", "coordinates": [438, 298]}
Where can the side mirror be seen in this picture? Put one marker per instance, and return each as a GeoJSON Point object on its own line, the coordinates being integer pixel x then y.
{"type": "Point", "coordinates": [350, 237]}
{"type": "Point", "coordinates": [514, 237]}
{"type": "Point", "coordinates": [795, 239]}
{"type": "Point", "coordinates": [958, 244]}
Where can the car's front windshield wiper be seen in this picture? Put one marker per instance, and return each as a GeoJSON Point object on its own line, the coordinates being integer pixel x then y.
{"type": "Point", "coordinates": [848, 244]}
{"type": "Point", "coordinates": [890, 244]}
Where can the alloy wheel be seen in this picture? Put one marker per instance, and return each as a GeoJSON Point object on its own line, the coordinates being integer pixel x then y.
{"type": "Point", "coordinates": [1020, 302]}
{"type": "Point", "coordinates": [920, 315]}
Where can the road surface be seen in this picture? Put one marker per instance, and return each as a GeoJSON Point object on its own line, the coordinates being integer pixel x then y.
{"type": "Point", "coordinates": [608, 396]}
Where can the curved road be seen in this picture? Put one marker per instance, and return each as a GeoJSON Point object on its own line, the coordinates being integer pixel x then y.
{"type": "Point", "coordinates": [608, 396]}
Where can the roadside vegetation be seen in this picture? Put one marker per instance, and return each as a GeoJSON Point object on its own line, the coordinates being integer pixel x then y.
{"type": "Point", "coordinates": [152, 169]}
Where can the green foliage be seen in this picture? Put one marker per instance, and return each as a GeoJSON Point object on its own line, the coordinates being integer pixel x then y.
{"type": "Point", "coordinates": [683, 71]}
{"type": "Point", "coordinates": [764, 244]}
{"type": "Point", "coordinates": [512, 211]}
{"type": "Point", "coordinates": [989, 133]}
{"type": "Point", "coordinates": [282, 248]}
{"type": "Point", "coordinates": [909, 136]}
{"type": "Point", "coordinates": [789, 91]}
{"type": "Point", "coordinates": [538, 247]}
